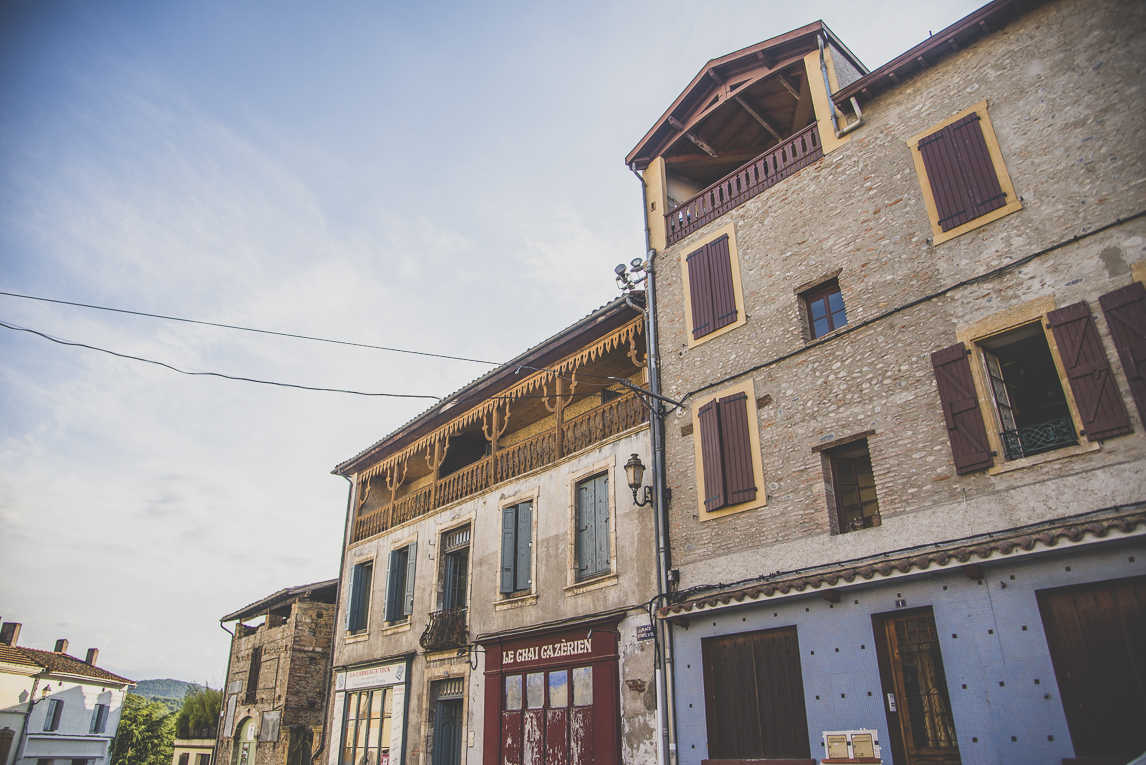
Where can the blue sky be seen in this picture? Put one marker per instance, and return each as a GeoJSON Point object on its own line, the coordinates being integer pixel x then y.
{"type": "Point", "coordinates": [441, 176]}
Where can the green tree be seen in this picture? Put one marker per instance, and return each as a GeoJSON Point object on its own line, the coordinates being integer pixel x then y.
{"type": "Point", "coordinates": [146, 733]}
{"type": "Point", "coordinates": [199, 716]}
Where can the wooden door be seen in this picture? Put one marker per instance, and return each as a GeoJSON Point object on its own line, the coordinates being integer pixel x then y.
{"type": "Point", "coordinates": [918, 705]}
{"type": "Point", "coordinates": [1097, 639]}
{"type": "Point", "coordinates": [448, 732]}
{"type": "Point", "coordinates": [754, 696]}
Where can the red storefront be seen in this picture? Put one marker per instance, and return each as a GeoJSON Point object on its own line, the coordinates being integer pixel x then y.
{"type": "Point", "coordinates": [553, 698]}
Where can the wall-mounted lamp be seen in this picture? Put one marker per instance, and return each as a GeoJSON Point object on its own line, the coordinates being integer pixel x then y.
{"type": "Point", "coordinates": [629, 280]}
{"type": "Point", "coordinates": [635, 472]}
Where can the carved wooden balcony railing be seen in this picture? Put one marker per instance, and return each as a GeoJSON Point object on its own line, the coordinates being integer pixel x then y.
{"type": "Point", "coordinates": [581, 432]}
{"type": "Point", "coordinates": [446, 629]}
{"type": "Point", "coordinates": [736, 188]}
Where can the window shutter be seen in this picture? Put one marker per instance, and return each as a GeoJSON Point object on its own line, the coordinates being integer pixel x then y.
{"type": "Point", "coordinates": [736, 448]}
{"type": "Point", "coordinates": [393, 596]}
{"type": "Point", "coordinates": [586, 534]}
{"type": "Point", "coordinates": [723, 290]}
{"type": "Point", "coordinates": [963, 181]}
{"type": "Point", "coordinates": [700, 293]}
{"type": "Point", "coordinates": [253, 671]}
{"type": "Point", "coordinates": [711, 456]}
{"type": "Point", "coordinates": [411, 564]}
{"type": "Point", "coordinates": [601, 525]}
{"type": "Point", "coordinates": [185, 758]}
{"type": "Point", "coordinates": [1088, 369]}
{"type": "Point", "coordinates": [961, 412]}
{"type": "Point", "coordinates": [93, 728]}
{"type": "Point", "coordinates": [352, 611]}
{"type": "Point", "coordinates": [1125, 311]}
{"type": "Point", "coordinates": [508, 548]}
{"type": "Point", "coordinates": [524, 568]}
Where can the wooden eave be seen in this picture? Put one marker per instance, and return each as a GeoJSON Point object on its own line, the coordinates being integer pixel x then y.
{"type": "Point", "coordinates": [599, 323]}
{"type": "Point", "coordinates": [963, 33]}
{"type": "Point", "coordinates": [757, 62]}
{"type": "Point", "coordinates": [290, 594]}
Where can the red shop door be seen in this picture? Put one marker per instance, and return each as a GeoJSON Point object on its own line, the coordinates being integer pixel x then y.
{"type": "Point", "coordinates": [547, 718]}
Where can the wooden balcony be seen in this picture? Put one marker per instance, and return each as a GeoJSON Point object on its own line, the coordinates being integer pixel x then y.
{"type": "Point", "coordinates": [576, 434]}
{"type": "Point", "coordinates": [736, 188]}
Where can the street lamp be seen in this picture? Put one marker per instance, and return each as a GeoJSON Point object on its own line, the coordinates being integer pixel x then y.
{"type": "Point", "coordinates": [635, 472]}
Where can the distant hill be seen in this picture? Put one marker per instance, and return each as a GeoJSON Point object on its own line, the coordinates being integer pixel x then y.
{"type": "Point", "coordinates": [169, 692]}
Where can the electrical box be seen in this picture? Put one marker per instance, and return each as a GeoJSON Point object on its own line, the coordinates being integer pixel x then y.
{"type": "Point", "coordinates": [855, 746]}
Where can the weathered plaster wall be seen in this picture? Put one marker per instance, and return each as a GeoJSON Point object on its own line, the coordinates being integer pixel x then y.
{"type": "Point", "coordinates": [1064, 91]}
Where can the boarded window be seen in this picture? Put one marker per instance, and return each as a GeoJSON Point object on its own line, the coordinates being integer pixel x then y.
{"type": "Point", "coordinates": [754, 696]}
{"type": "Point", "coordinates": [726, 451]}
{"type": "Point", "coordinates": [361, 579]}
{"type": "Point", "coordinates": [1125, 311]}
{"type": "Point", "coordinates": [253, 674]}
{"type": "Point", "coordinates": [712, 293]}
{"type": "Point", "coordinates": [961, 413]}
{"type": "Point", "coordinates": [516, 548]}
{"type": "Point", "coordinates": [593, 526]}
{"type": "Point", "coordinates": [1088, 370]}
{"type": "Point", "coordinates": [269, 727]}
{"type": "Point", "coordinates": [400, 583]}
{"type": "Point", "coordinates": [962, 177]}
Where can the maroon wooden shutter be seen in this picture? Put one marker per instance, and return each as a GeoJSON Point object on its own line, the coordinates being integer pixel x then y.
{"type": "Point", "coordinates": [711, 456]}
{"type": "Point", "coordinates": [1088, 369]}
{"type": "Point", "coordinates": [965, 427]}
{"type": "Point", "coordinates": [959, 169]}
{"type": "Point", "coordinates": [736, 446]}
{"type": "Point", "coordinates": [700, 293]}
{"type": "Point", "coordinates": [723, 291]}
{"type": "Point", "coordinates": [1125, 311]}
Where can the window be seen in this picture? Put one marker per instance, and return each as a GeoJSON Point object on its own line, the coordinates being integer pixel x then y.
{"type": "Point", "coordinates": [728, 452]}
{"type": "Point", "coordinates": [185, 758]}
{"type": "Point", "coordinates": [455, 568]}
{"type": "Point", "coordinates": [853, 487]}
{"type": "Point", "coordinates": [358, 611]}
{"type": "Point", "coordinates": [592, 526]}
{"type": "Point", "coordinates": [55, 710]}
{"type": "Point", "coordinates": [366, 729]}
{"type": "Point", "coordinates": [400, 583]}
{"type": "Point", "coordinates": [516, 548]}
{"type": "Point", "coordinates": [253, 674]}
{"type": "Point", "coordinates": [712, 287]}
{"type": "Point", "coordinates": [203, 759]}
{"type": "Point", "coordinates": [825, 309]}
{"type": "Point", "coordinates": [99, 719]}
{"type": "Point", "coordinates": [965, 183]}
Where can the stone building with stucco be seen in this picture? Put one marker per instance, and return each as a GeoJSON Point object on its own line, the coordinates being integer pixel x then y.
{"type": "Point", "coordinates": [903, 312]}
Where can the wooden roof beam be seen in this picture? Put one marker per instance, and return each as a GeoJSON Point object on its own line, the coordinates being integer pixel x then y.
{"type": "Point", "coordinates": [789, 86]}
{"type": "Point", "coordinates": [758, 118]}
{"type": "Point", "coordinates": [693, 137]}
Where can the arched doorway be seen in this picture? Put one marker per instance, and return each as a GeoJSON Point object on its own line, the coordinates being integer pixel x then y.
{"type": "Point", "coordinates": [246, 737]}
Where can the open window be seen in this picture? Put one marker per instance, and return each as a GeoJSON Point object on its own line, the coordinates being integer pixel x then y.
{"type": "Point", "coordinates": [400, 583]}
{"type": "Point", "coordinates": [853, 487]}
{"type": "Point", "coordinates": [455, 567]}
{"type": "Point", "coordinates": [358, 610]}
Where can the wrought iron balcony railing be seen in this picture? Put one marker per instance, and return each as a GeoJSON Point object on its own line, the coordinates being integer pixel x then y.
{"type": "Point", "coordinates": [446, 629]}
{"type": "Point", "coordinates": [1037, 439]}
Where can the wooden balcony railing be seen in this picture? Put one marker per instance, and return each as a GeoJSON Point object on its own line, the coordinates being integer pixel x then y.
{"type": "Point", "coordinates": [581, 432]}
{"type": "Point", "coordinates": [736, 188]}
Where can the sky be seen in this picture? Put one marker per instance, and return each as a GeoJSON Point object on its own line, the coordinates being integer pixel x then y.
{"type": "Point", "coordinates": [439, 176]}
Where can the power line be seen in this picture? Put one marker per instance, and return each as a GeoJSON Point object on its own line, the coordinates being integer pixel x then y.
{"type": "Point", "coordinates": [214, 374]}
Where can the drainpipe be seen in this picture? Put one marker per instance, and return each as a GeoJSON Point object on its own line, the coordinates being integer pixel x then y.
{"type": "Point", "coordinates": [840, 133]}
{"type": "Point", "coordinates": [223, 709]}
{"type": "Point", "coordinates": [666, 689]}
{"type": "Point", "coordinates": [23, 743]}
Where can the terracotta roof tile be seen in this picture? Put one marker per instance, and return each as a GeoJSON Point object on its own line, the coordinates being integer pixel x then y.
{"type": "Point", "coordinates": [11, 655]}
{"type": "Point", "coordinates": [64, 664]}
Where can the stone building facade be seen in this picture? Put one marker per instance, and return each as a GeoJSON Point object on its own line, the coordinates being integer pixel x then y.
{"type": "Point", "coordinates": [277, 675]}
{"type": "Point", "coordinates": [496, 581]}
{"type": "Point", "coordinates": [908, 477]}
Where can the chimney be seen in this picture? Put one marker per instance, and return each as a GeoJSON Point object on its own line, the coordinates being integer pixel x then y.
{"type": "Point", "coordinates": [10, 633]}
{"type": "Point", "coordinates": [93, 654]}
{"type": "Point", "coordinates": [62, 645]}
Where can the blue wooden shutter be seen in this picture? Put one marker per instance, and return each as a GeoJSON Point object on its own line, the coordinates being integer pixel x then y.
{"type": "Point", "coordinates": [601, 526]}
{"type": "Point", "coordinates": [394, 594]}
{"type": "Point", "coordinates": [524, 572]}
{"type": "Point", "coordinates": [411, 563]}
{"type": "Point", "coordinates": [352, 610]}
{"type": "Point", "coordinates": [508, 548]}
{"type": "Point", "coordinates": [586, 534]}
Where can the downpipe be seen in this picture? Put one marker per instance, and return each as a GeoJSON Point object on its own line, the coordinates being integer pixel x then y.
{"type": "Point", "coordinates": [840, 133]}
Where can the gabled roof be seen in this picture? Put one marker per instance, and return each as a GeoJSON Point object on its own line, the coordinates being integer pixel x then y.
{"type": "Point", "coordinates": [722, 78]}
{"type": "Point", "coordinates": [963, 33]}
{"type": "Point", "coordinates": [63, 664]}
{"type": "Point", "coordinates": [260, 607]}
{"type": "Point", "coordinates": [13, 655]}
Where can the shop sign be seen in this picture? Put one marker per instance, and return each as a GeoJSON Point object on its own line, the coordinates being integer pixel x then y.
{"type": "Point", "coordinates": [556, 650]}
{"type": "Point", "coordinates": [371, 677]}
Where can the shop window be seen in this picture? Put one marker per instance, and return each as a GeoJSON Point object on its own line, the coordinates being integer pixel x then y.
{"type": "Point", "coordinates": [824, 309]}
{"type": "Point", "coordinates": [727, 450]}
{"type": "Point", "coordinates": [713, 294]}
{"type": "Point", "coordinates": [99, 719]}
{"type": "Point", "coordinates": [965, 183]}
{"type": "Point", "coordinates": [366, 726]}
{"type": "Point", "coordinates": [455, 568]}
{"type": "Point", "coordinates": [516, 548]}
{"type": "Point", "coordinates": [593, 527]}
{"type": "Point", "coordinates": [853, 487]}
{"type": "Point", "coordinates": [358, 612]}
{"type": "Point", "coordinates": [400, 583]}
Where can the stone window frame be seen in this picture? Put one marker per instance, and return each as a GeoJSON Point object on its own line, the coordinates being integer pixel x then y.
{"type": "Point", "coordinates": [516, 600]}
{"type": "Point", "coordinates": [992, 326]}
{"type": "Point", "coordinates": [827, 452]}
{"type": "Point", "coordinates": [362, 634]}
{"type": "Point", "coordinates": [690, 247]}
{"type": "Point", "coordinates": [748, 387]}
{"type": "Point", "coordinates": [1014, 204]}
{"type": "Point", "coordinates": [404, 624]}
{"type": "Point", "coordinates": [573, 586]}
{"type": "Point", "coordinates": [440, 531]}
